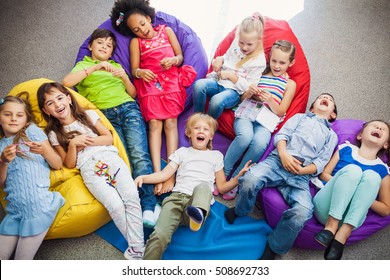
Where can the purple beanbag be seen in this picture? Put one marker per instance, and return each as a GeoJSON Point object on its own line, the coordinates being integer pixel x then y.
{"type": "Point", "coordinates": [273, 204]}
{"type": "Point", "coordinates": [193, 51]}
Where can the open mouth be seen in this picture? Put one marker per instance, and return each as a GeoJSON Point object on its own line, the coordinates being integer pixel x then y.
{"type": "Point", "coordinates": [61, 110]}
{"type": "Point", "coordinates": [324, 102]}
{"type": "Point", "coordinates": [376, 134]}
{"type": "Point", "coordinates": [200, 138]}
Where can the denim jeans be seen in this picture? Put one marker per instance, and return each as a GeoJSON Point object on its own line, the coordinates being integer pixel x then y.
{"type": "Point", "coordinates": [295, 191]}
{"type": "Point", "coordinates": [221, 98]}
{"type": "Point", "coordinates": [130, 126]}
{"type": "Point", "coordinates": [347, 196]}
{"type": "Point", "coordinates": [252, 139]}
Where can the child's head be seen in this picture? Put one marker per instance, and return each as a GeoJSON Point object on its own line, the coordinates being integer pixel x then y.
{"type": "Point", "coordinates": [325, 104]}
{"type": "Point", "coordinates": [376, 133]}
{"type": "Point", "coordinates": [250, 37]}
{"type": "Point", "coordinates": [15, 116]}
{"type": "Point", "coordinates": [102, 44]}
{"type": "Point", "coordinates": [59, 106]}
{"type": "Point", "coordinates": [200, 129]}
{"type": "Point", "coordinates": [122, 11]}
{"type": "Point", "coordinates": [281, 57]}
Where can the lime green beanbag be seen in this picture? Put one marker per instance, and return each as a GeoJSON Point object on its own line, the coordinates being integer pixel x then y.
{"type": "Point", "coordinates": [81, 213]}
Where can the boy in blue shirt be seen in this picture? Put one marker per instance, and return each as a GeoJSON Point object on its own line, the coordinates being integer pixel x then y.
{"type": "Point", "coordinates": [304, 146]}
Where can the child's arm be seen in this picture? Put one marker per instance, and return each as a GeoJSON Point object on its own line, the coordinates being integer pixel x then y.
{"type": "Point", "coordinates": [135, 57]}
{"type": "Point", "coordinates": [382, 204]}
{"type": "Point", "coordinates": [177, 60]}
{"type": "Point", "coordinates": [326, 175]}
{"type": "Point", "coordinates": [105, 137]}
{"type": "Point", "coordinates": [217, 63]}
{"type": "Point", "coordinates": [156, 177]}
{"type": "Point", "coordinates": [73, 78]}
{"type": "Point", "coordinates": [280, 109]}
{"type": "Point", "coordinates": [224, 186]}
{"type": "Point", "coordinates": [46, 150]}
{"type": "Point", "coordinates": [290, 163]}
{"type": "Point", "coordinates": [8, 155]}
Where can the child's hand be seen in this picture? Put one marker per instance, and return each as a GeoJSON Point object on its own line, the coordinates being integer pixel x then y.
{"type": "Point", "coordinates": [35, 147]}
{"type": "Point", "coordinates": [265, 96]}
{"type": "Point", "coordinates": [246, 167]}
{"type": "Point", "coordinates": [139, 181]}
{"type": "Point", "coordinates": [225, 75]}
{"type": "Point", "coordinates": [217, 64]}
{"type": "Point", "coordinates": [291, 164]}
{"type": "Point", "coordinates": [253, 90]}
{"type": "Point", "coordinates": [9, 153]}
{"type": "Point", "coordinates": [104, 65]}
{"type": "Point", "coordinates": [81, 141]}
{"type": "Point", "coordinates": [146, 74]}
{"type": "Point", "coordinates": [168, 62]}
{"type": "Point", "coordinates": [119, 72]}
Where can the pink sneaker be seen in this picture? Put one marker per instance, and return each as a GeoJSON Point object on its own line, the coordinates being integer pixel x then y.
{"type": "Point", "coordinates": [230, 195]}
{"type": "Point", "coordinates": [215, 192]}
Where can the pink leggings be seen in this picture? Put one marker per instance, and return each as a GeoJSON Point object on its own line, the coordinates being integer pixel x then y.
{"type": "Point", "coordinates": [26, 247]}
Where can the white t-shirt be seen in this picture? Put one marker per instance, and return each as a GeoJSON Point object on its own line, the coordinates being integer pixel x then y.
{"type": "Point", "coordinates": [85, 154]}
{"type": "Point", "coordinates": [195, 167]}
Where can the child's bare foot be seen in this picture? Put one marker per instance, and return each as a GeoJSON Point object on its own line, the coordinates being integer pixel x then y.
{"type": "Point", "coordinates": [158, 188]}
{"type": "Point", "coordinates": [169, 184]}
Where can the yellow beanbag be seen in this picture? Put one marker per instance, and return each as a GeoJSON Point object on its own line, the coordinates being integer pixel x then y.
{"type": "Point", "coordinates": [81, 213]}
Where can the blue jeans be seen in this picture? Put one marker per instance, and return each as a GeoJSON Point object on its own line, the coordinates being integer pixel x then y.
{"type": "Point", "coordinates": [348, 196]}
{"type": "Point", "coordinates": [295, 191]}
{"type": "Point", "coordinates": [130, 126]}
{"type": "Point", "coordinates": [221, 98]}
{"type": "Point", "coordinates": [252, 139]}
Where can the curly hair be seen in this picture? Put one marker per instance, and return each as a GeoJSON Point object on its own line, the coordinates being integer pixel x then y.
{"type": "Point", "coordinates": [127, 8]}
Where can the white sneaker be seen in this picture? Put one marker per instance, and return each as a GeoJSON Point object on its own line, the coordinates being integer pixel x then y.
{"type": "Point", "coordinates": [156, 213]}
{"type": "Point", "coordinates": [134, 253]}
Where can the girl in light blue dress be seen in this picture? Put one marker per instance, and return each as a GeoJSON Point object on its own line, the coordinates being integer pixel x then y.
{"type": "Point", "coordinates": [25, 160]}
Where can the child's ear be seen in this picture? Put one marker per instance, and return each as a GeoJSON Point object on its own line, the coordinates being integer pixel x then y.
{"type": "Point", "coordinates": [359, 137]}
{"type": "Point", "coordinates": [291, 63]}
{"type": "Point", "coordinates": [386, 146]}
{"type": "Point", "coordinates": [333, 115]}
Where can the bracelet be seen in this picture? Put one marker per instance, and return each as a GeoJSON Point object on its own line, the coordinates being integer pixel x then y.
{"type": "Point", "coordinates": [136, 73]}
{"type": "Point", "coordinates": [86, 71]}
{"type": "Point", "coordinates": [177, 63]}
{"type": "Point", "coordinates": [4, 162]}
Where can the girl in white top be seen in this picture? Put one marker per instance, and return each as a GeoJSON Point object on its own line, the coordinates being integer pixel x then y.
{"type": "Point", "coordinates": [82, 141]}
{"type": "Point", "coordinates": [197, 168]}
{"type": "Point", "coordinates": [233, 73]}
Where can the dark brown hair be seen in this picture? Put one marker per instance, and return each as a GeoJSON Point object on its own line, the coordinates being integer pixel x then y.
{"type": "Point", "coordinates": [102, 33]}
{"type": "Point", "coordinates": [54, 124]}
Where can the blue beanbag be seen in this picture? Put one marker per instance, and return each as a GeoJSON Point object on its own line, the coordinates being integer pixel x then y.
{"type": "Point", "coordinates": [193, 51]}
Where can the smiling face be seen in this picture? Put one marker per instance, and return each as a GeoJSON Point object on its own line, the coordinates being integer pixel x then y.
{"type": "Point", "coordinates": [248, 42]}
{"type": "Point", "coordinates": [200, 134]}
{"type": "Point", "coordinates": [141, 26]}
{"type": "Point", "coordinates": [57, 104]}
{"type": "Point", "coordinates": [324, 106]}
{"type": "Point", "coordinates": [279, 62]}
{"type": "Point", "coordinates": [101, 49]}
{"type": "Point", "coordinates": [13, 118]}
{"type": "Point", "coordinates": [377, 133]}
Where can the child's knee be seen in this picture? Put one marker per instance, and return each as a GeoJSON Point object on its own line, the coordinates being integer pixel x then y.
{"type": "Point", "coordinates": [155, 125]}
{"type": "Point", "coordinates": [170, 124]}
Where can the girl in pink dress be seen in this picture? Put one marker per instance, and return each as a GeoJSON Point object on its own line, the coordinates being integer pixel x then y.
{"type": "Point", "coordinates": [155, 56]}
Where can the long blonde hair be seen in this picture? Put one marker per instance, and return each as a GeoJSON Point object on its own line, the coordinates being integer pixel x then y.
{"type": "Point", "coordinates": [205, 117]}
{"type": "Point", "coordinates": [254, 23]}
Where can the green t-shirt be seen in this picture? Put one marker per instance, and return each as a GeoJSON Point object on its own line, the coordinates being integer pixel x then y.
{"type": "Point", "coordinates": [101, 87]}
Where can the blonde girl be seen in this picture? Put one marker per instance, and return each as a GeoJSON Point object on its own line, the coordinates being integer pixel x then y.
{"type": "Point", "coordinates": [234, 72]}
{"type": "Point", "coordinates": [25, 162]}
{"type": "Point", "coordinates": [82, 141]}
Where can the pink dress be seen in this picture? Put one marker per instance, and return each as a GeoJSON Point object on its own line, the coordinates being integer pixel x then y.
{"type": "Point", "coordinates": [164, 97]}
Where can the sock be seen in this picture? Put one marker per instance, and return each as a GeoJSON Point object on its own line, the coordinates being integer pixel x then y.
{"type": "Point", "coordinates": [268, 254]}
{"type": "Point", "coordinates": [196, 217]}
{"type": "Point", "coordinates": [156, 213]}
{"type": "Point", "coordinates": [230, 215]}
{"type": "Point", "coordinates": [148, 218]}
